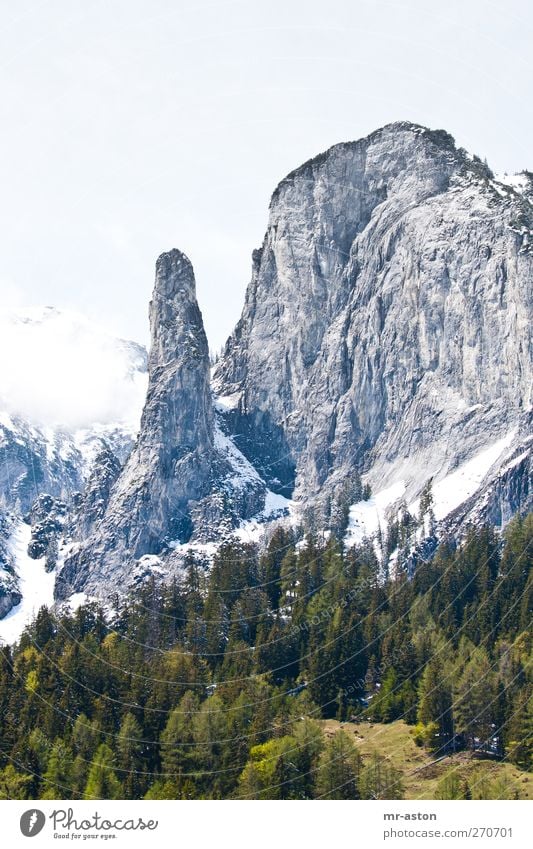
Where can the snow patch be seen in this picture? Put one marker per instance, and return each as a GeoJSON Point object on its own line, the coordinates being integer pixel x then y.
{"type": "Point", "coordinates": [35, 584]}
{"type": "Point", "coordinates": [519, 182]}
{"type": "Point", "coordinates": [244, 471]}
{"type": "Point", "coordinates": [275, 503]}
{"type": "Point", "coordinates": [76, 600]}
{"type": "Point", "coordinates": [223, 403]}
{"type": "Point", "coordinates": [276, 506]}
{"type": "Point", "coordinates": [367, 517]}
{"type": "Point", "coordinates": [455, 488]}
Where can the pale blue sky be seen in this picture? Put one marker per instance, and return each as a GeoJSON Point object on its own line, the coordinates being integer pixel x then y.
{"type": "Point", "coordinates": [133, 126]}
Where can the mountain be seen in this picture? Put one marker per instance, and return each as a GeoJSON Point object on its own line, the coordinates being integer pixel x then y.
{"type": "Point", "coordinates": [382, 359]}
{"type": "Point", "coordinates": [71, 395]}
{"type": "Point", "coordinates": [184, 480]}
{"type": "Point", "coordinates": [386, 325]}
{"type": "Point", "coordinates": [380, 374]}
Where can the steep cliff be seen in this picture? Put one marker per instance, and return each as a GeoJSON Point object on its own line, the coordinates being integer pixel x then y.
{"type": "Point", "coordinates": [386, 326]}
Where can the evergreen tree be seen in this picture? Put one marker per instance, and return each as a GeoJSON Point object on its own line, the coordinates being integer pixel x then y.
{"type": "Point", "coordinates": [13, 784]}
{"type": "Point", "coordinates": [380, 779]}
{"type": "Point", "coordinates": [435, 703]}
{"type": "Point", "coordinates": [338, 769]}
{"type": "Point", "coordinates": [40, 745]}
{"type": "Point", "coordinates": [85, 736]}
{"type": "Point", "coordinates": [130, 756]}
{"type": "Point", "coordinates": [475, 701]}
{"type": "Point", "coordinates": [269, 771]}
{"type": "Point", "coordinates": [451, 786]}
{"type": "Point", "coordinates": [177, 739]}
{"type": "Point", "coordinates": [519, 730]}
{"type": "Point", "coordinates": [102, 782]}
{"type": "Point", "coordinates": [270, 565]}
{"type": "Point", "coordinates": [58, 776]}
{"type": "Point", "coordinates": [210, 731]}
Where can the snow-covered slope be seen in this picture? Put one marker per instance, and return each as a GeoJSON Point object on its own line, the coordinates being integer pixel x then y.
{"type": "Point", "coordinates": [451, 490]}
{"type": "Point", "coordinates": [522, 182]}
{"type": "Point", "coordinates": [35, 584]}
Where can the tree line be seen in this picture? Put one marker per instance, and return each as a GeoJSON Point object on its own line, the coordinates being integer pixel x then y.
{"type": "Point", "coordinates": [217, 684]}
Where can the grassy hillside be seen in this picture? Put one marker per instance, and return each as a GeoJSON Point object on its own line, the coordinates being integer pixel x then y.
{"type": "Point", "coordinates": [420, 774]}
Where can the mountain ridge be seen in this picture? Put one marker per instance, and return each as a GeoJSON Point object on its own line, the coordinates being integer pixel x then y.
{"type": "Point", "coordinates": [383, 348]}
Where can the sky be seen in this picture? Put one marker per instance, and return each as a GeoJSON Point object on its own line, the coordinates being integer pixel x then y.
{"type": "Point", "coordinates": [130, 127]}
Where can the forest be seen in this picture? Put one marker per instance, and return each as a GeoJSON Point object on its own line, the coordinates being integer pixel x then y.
{"type": "Point", "coordinates": [243, 681]}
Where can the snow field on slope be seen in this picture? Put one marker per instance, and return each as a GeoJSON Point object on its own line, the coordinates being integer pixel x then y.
{"type": "Point", "coordinates": [456, 487]}
{"type": "Point", "coordinates": [367, 517]}
{"type": "Point", "coordinates": [35, 584]}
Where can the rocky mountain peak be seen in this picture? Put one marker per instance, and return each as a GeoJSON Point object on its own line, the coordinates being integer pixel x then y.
{"type": "Point", "coordinates": [175, 319]}
{"type": "Point", "coordinates": [383, 335]}
{"type": "Point", "coordinates": [174, 273]}
{"type": "Point", "coordinates": [386, 309]}
{"type": "Point", "coordinates": [382, 158]}
{"type": "Point", "coordinates": [170, 465]}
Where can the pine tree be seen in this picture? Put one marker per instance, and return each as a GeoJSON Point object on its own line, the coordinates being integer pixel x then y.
{"type": "Point", "coordinates": [102, 782]}
{"type": "Point", "coordinates": [435, 703]}
{"type": "Point", "coordinates": [130, 756]}
{"type": "Point", "coordinates": [309, 742]}
{"type": "Point", "coordinates": [475, 700]}
{"type": "Point", "coordinates": [426, 514]}
{"type": "Point", "coordinates": [40, 745]}
{"type": "Point", "coordinates": [271, 771]}
{"type": "Point", "coordinates": [58, 775]}
{"type": "Point", "coordinates": [85, 736]}
{"type": "Point", "coordinates": [210, 730]}
{"type": "Point", "coordinates": [451, 786]}
{"type": "Point", "coordinates": [13, 784]}
{"type": "Point", "coordinates": [338, 769]}
{"type": "Point", "coordinates": [270, 564]}
{"type": "Point", "coordinates": [519, 730]}
{"type": "Point", "coordinates": [381, 780]}
{"type": "Point", "coordinates": [177, 738]}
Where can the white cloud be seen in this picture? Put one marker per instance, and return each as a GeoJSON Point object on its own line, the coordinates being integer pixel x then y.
{"type": "Point", "coordinates": [58, 369]}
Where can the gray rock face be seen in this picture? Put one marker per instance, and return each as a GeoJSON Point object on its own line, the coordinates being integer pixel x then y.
{"type": "Point", "coordinates": [184, 480]}
{"type": "Point", "coordinates": [41, 466]}
{"type": "Point", "coordinates": [170, 465]}
{"type": "Point", "coordinates": [47, 518]}
{"type": "Point", "coordinates": [386, 326]}
{"type": "Point", "coordinates": [9, 592]}
{"type": "Point", "coordinates": [91, 505]}
{"type": "Point", "coordinates": [34, 462]}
